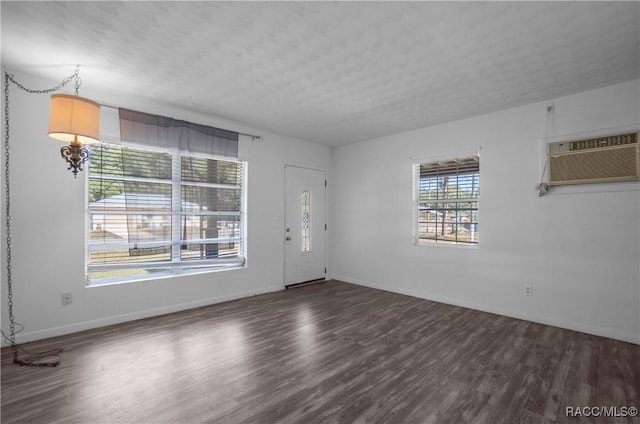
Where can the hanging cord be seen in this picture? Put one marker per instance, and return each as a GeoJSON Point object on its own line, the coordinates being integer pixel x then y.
{"type": "Point", "coordinates": [49, 358]}
{"type": "Point", "coordinates": [542, 187]}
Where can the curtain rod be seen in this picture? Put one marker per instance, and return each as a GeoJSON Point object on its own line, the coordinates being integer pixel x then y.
{"type": "Point", "coordinates": [253, 136]}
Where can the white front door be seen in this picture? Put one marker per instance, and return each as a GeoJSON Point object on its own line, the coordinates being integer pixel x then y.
{"type": "Point", "coordinates": [305, 225]}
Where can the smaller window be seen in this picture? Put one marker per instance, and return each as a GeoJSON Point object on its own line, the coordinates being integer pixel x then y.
{"type": "Point", "coordinates": [447, 201]}
{"type": "Point", "coordinates": [306, 220]}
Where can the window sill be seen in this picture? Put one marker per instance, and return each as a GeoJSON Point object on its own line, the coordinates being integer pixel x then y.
{"type": "Point", "coordinates": [159, 276]}
{"type": "Point", "coordinates": [447, 245]}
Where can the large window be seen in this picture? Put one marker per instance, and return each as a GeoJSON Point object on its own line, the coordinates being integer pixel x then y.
{"type": "Point", "coordinates": [160, 210]}
{"type": "Point", "coordinates": [158, 213]}
{"type": "Point", "coordinates": [447, 201]}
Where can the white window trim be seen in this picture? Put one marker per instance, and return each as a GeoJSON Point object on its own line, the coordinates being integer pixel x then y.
{"type": "Point", "coordinates": [415, 169]}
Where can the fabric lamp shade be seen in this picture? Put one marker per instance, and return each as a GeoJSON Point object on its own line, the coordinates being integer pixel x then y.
{"type": "Point", "coordinates": [74, 119]}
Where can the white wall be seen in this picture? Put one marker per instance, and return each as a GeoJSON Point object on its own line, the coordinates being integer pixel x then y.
{"type": "Point", "coordinates": [48, 227]}
{"type": "Point", "coordinates": [579, 247]}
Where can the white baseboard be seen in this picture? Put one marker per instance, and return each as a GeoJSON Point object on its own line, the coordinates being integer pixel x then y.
{"type": "Point", "coordinates": [30, 336]}
{"type": "Point", "coordinates": [596, 331]}
{"type": "Point", "coordinates": [87, 325]}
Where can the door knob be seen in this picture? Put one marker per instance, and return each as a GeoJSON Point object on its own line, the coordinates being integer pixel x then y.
{"type": "Point", "coordinates": [288, 239]}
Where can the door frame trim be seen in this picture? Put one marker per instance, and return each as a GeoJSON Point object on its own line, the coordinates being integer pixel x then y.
{"type": "Point", "coordinates": [284, 222]}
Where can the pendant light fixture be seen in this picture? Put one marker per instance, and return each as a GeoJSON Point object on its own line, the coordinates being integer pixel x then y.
{"type": "Point", "coordinates": [74, 120]}
{"type": "Point", "coordinates": [77, 134]}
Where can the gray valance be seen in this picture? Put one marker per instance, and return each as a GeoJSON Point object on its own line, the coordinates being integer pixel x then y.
{"type": "Point", "coordinates": [168, 133]}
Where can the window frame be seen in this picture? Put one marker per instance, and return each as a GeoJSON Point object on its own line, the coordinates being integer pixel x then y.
{"type": "Point", "coordinates": [474, 202]}
{"type": "Point", "coordinates": [176, 265]}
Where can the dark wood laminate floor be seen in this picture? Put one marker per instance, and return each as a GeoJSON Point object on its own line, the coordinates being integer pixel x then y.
{"type": "Point", "coordinates": [324, 353]}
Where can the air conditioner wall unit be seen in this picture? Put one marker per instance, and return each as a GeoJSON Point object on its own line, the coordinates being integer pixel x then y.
{"type": "Point", "coordinates": [595, 160]}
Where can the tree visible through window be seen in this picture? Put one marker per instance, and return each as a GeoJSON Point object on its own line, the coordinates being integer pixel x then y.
{"type": "Point", "coordinates": [447, 201]}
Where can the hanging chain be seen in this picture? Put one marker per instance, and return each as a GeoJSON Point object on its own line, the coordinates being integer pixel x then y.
{"type": "Point", "coordinates": [12, 325]}
{"type": "Point", "coordinates": [78, 80]}
{"type": "Point", "coordinates": [76, 76]}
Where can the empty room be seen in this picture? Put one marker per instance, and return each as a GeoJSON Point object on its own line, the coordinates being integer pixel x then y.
{"type": "Point", "coordinates": [320, 212]}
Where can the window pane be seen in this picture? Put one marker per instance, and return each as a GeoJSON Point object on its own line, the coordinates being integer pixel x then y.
{"type": "Point", "coordinates": [306, 221]}
{"type": "Point", "coordinates": [198, 199]}
{"type": "Point", "coordinates": [210, 251]}
{"type": "Point", "coordinates": [118, 161]}
{"type": "Point", "coordinates": [447, 195]}
{"type": "Point", "coordinates": [127, 237]}
{"type": "Point", "coordinates": [195, 169]}
{"type": "Point", "coordinates": [224, 228]}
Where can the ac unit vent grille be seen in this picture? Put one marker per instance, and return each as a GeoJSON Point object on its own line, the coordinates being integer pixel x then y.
{"type": "Point", "coordinates": [614, 163]}
{"type": "Point", "coordinates": [609, 141]}
{"type": "Point", "coordinates": [603, 159]}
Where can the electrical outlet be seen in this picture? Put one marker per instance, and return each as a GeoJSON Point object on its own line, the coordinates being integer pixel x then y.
{"type": "Point", "coordinates": [67, 298]}
{"type": "Point", "coordinates": [528, 290]}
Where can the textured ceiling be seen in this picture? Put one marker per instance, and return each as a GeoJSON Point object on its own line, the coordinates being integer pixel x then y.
{"type": "Point", "coordinates": [329, 72]}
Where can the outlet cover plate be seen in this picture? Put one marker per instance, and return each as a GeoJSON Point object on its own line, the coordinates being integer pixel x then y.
{"type": "Point", "coordinates": [67, 298]}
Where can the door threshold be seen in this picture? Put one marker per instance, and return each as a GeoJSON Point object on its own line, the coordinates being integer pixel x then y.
{"type": "Point", "coordinates": [304, 283]}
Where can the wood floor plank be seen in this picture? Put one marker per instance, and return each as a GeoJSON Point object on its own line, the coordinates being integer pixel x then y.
{"type": "Point", "coordinates": [324, 353]}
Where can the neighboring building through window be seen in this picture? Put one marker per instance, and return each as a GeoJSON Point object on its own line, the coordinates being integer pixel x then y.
{"type": "Point", "coordinates": [447, 201]}
{"type": "Point", "coordinates": [156, 213]}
